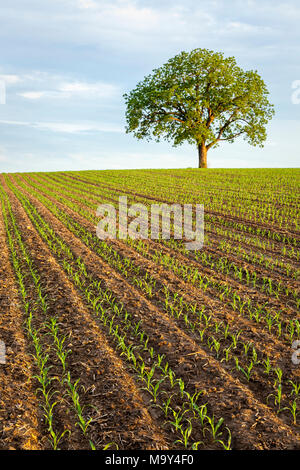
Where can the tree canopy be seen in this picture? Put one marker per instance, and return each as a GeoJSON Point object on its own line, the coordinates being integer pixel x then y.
{"type": "Point", "coordinates": [202, 98]}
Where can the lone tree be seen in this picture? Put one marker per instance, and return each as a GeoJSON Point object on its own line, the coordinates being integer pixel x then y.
{"type": "Point", "coordinates": [202, 98]}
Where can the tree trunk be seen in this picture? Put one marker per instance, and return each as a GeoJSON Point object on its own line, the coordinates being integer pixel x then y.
{"type": "Point", "coordinates": [202, 152]}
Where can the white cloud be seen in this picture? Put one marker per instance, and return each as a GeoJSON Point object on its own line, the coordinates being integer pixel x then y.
{"type": "Point", "coordinates": [87, 4]}
{"type": "Point", "coordinates": [238, 27]}
{"type": "Point", "coordinates": [15, 123]}
{"type": "Point", "coordinates": [10, 79]}
{"type": "Point", "coordinates": [103, 90]}
{"type": "Point", "coordinates": [68, 127]}
{"type": "Point", "coordinates": [49, 86]}
{"type": "Point", "coordinates": [75, 128]}
{"type": "Point", "coordinates": [32, 95]}
{"type": "Point", "coordinates": [120, 14]}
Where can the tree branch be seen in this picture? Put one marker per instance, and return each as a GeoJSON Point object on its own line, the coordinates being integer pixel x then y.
{"type": "Point", "coordinates": [223, 128]}
{"type": "Point", "coordinates": [234, 136]}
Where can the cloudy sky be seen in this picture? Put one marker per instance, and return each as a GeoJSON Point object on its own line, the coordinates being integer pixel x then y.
{"type": "Point", "coordinates": [65, 65]}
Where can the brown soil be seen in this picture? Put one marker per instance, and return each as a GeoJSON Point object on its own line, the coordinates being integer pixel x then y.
{"type": "Point", "coordinates": [118, 412]}
{"type": "Point", "coordinates": [227, 396]}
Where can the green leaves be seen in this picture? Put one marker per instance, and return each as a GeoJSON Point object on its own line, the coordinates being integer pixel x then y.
{"type": "Point", "coordinates": [199, 97]}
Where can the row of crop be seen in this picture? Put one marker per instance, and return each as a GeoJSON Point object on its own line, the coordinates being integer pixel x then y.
{"type": "Point", "coordinates": [261, 235]}
{"type": "Point", "coordinates": [273, 322]}
{"type": "Point", "coordinates": [219, 263]}
{"type": "Point", "coordinates": [285, 185]}
{"type": "Point", "coordinates": [257, 312]}
{"type": "Point", "coordinates": [210, 227]}
{"type": "Point", "coordinates": [235, 203]}
{"type": "Point", "coordinates": [151, 368]}
{"type": "Point", "coordinates": [225, 344]}
{"type": "Point", "coordinates": [40, 326]}
{"type": "Point", "coordinates": [256, 258]}
{"type": "Point", "coordinates": [247, 275]}
{"type": "Point", "coordinates": [223, 245]}
{"type": "Point", "coordinates": [214, 202]}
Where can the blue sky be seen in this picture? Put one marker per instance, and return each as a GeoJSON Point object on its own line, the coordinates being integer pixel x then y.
{"type": "Point", "coordinates": [67, 63]}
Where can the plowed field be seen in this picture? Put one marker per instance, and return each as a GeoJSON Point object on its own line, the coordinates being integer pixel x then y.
{"type": "Point", "coordinates": [142, 344]}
